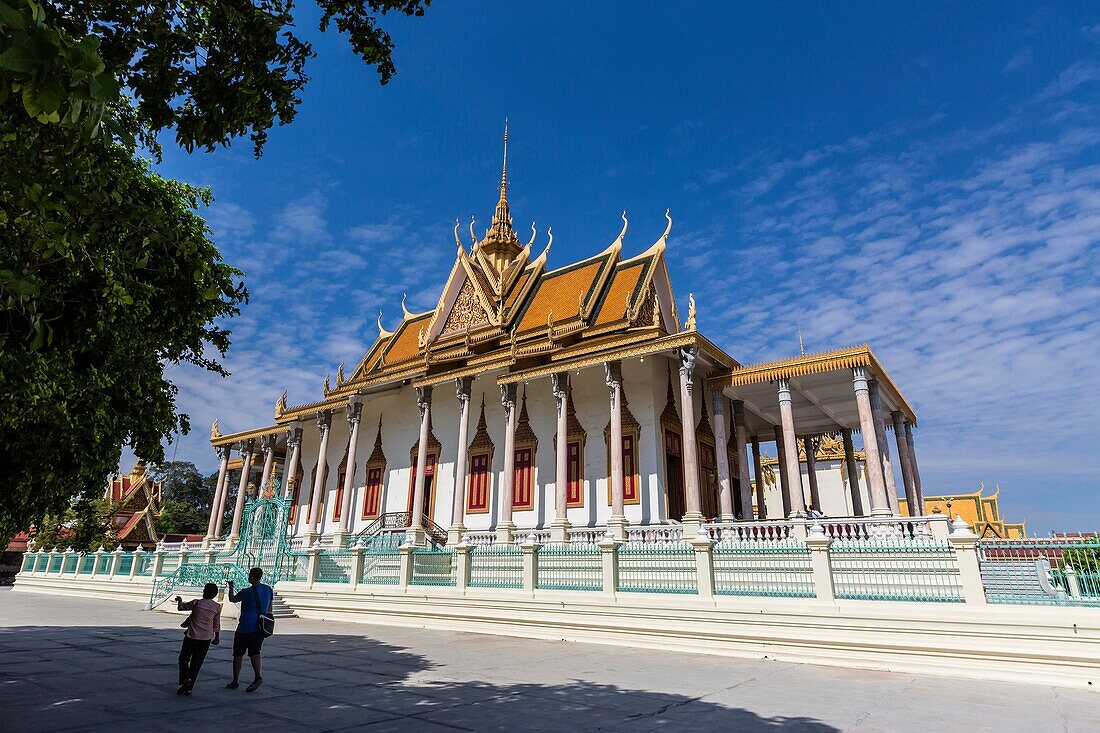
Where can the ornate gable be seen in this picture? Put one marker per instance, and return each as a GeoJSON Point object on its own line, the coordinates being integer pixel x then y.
{"type": "Point", "coordinates": [466, 313]}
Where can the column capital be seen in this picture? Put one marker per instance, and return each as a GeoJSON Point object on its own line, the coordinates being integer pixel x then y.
{"type": "Point", "coordinates": [613, 374]}
{"type": "Point", "coordinates": [463, 385]}
{"type": "Point", "coordinates": [355, 412]}
{"type": "Point", "coordinates": [223, 451]}
{"type": "Point", "coordinates": [423, 399]}
{"type": "Point", "coordinates": [718, 402]}
{"type": "Point", "coordinates": [324, 420]}
{"type": "Point", "coordinates": [859, 380]}
{"type": "Point", "coordinates": [293, 437]}
{"type": "Point", "coordinates": [688, 355]}
{"type": "Point", "coordinates": [876, 397]}
{"type": "Point", "coordinates": [508, 397]}
{"type": "Point", "coordinates": [739, 413]}
{"type": "Point", "coordinates": [267, 444]}
{"type": "Point", "coordinates": [783, 387]}
{"type": "Point", "coordinates": [559, 385]}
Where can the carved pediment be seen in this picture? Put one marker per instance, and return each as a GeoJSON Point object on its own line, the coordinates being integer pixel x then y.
{"type": "Point", "coordinates": [466, 313]}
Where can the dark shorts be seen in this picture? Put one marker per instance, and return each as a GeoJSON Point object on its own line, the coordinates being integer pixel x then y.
{"type": "Point", "coordinates": [247, 640]}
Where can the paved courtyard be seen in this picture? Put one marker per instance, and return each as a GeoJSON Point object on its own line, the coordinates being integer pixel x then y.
{"type": "Point", "coordinates": [78, 664]}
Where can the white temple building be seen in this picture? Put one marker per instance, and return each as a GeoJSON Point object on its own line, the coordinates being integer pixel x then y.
{"type": "Point", "coordinates": [548, 399]}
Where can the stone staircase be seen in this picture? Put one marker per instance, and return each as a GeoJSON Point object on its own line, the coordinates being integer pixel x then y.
{"type": "Point", "coordinates": [280, 609]}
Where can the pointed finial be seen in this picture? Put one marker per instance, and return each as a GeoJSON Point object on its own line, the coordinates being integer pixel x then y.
{"type": "Point", "coordinates": [534, 232]}
{"type": "Point", "coordinates": [328, 386]}
{"type": "Point", "coordinates": [340, 374]}
{"type": "Point", "coordinates": [504, 168]}
{"type": "Point", "coordinates": [457, 240]}
{"type": "Point", "coordinates": [801, 345]}
{"type": "Point", "coordinates": [382, 333]}
{"type": "Point", "coordinates": [280, 404]}
{"type": "Point", "coordinates": [403, 308]}
{"type": "Point", "coordinates": [550, 242]}
{"type": "Point", "coordinates": [669, 227]}
{"type": "Point", "coordinates": [473, 236]}
{"type": "Point", "coordinates": [214, 431]}
{"type": "Point", "coordinates": [625, 225]}
{"type": "Point", "coordinates": [689, 325]}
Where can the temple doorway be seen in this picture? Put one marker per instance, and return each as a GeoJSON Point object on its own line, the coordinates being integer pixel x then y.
{"type": "Point", "coordinates": [674, 476]}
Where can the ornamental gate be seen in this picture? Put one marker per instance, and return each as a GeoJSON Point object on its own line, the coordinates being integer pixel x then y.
{"type": "Point", "coordinates": [264, 528]}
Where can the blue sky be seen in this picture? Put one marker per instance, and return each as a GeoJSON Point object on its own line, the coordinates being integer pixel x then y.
{"type": "Point", "coordinates": [922, 177]}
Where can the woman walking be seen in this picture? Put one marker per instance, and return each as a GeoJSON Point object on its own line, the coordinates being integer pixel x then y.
{"type": "Point", "coordinates": [204, 627]}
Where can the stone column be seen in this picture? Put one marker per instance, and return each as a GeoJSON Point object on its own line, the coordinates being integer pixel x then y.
{"type": "Point", "coordinates": [614, 378]}
{"type": "Point", "coordinates": [355, 413]}
{"type": "Point", "coordinates": [880, 504]}
{"type": "Point", "coordinates": [911, 500]}
{"type": "Point", "coordinates": [505, 527]}
{"type": "Point", "coordinates": [761, 507]}
{"type": "Point", "coordinates": [324, 423]}
{"type": "Point", "coordinates": [290, 467]}
{"type": "Point", "coordinates": [790, 451]}
{"type": "Point", "coordinates": [883, 447]}
{"type": "Point", "coordinates": [238, 509]}
{"type": "Point", "coordinates": [781, 469]}
{"type": "Point", "coordinates": [267, 445]}
{"type": "Point", "coordinates": [415, 535]}
{"type": "Point", "coordinates": [217, 504]}
{"type": "Point", "coordinates": [559, 528]}
{"type": "Point", "coordinates": [809, 444]}
{"type": "Point", "coordinates": [740, 434]}
{"type": "Point", "coordinates": [458, 513]}
{"type": "Point", "coordinates": [693, 501]}
{"type": "Point", "coordinates": [913, 463]}
{"type": "Point", "coordinates": [853, 473]}
{"type": "Point", "coordinates": [725, 485]}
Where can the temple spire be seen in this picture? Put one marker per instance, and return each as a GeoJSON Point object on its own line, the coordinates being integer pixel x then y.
{"type": "Point", "coordinates": [501, 244]}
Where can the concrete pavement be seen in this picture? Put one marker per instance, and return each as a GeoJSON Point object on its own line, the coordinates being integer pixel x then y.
{"type": "Point", "coordinates": [84, 664]}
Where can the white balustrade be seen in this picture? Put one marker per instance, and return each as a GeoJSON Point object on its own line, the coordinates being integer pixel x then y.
{"type": "Point", "coordinates": [586, 535]}
{"type": "Point", "coordinates": [481, 538]}
{"type": "Point", "coordinates": [655, 533]}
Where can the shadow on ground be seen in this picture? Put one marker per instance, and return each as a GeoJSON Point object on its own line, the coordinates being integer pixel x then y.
{"type": "Point", "coordinates": [124, 677]}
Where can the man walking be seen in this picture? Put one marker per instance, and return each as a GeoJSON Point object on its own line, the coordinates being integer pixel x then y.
{"type": "Point", "coordinates": [254, 600]}
{"type": "Point", "coordinates": [204, 628]}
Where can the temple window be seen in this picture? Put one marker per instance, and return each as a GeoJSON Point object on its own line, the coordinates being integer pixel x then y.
{"type": "Point", "coordinates": [376, 469]}
{"type": "Point", "coordinates": [479, 486]}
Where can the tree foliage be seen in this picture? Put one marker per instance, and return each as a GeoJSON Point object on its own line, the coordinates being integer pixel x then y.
{"type": "Point", "coordinates": [107, 270]}
{"type": "Point", "coordinates": [220, 69]}
{"type": "Point", "coordinates": [186, 496]}
{"type": "Point", "coordinates": [85, 526]}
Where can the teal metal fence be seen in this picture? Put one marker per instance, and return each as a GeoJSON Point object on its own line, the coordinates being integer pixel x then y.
{"type": "Point", "coordinates": [381, 566]}
{"type": "Point", "coordinates": [297, 566]}
{"type": "Point", "coordinates": [68, 565]}
{"type": "Point", "coordinates": [433, 567]}
{"type": "Point", "coordinates": [772, 567]}
{"type": "Point", "coordinates": [29, 559]}
{"type": "Point", "coordinates": [496, 566]}
{"type": "Point", "coordinates": [169, 564]}
{"type": "Point", "coordinates": [145, 564]}
{"type": "Point", "coordinates": [125, 562]}
{"type": "Point", "coordinates": [1045, 571]}
{"type": "Point", "coordinates": [895, 570]}
{"type": "Point", "coordinates": [657, 568]}
{"type": "Point", "coordinates": [569, 567]}
{"type": "Point", "coordinates": [86, 563]}
{"type": "Point", "coordinates": [334, 566]}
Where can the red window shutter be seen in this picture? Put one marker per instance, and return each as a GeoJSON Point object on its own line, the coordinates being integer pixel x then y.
{"type": "Point", "coordinates": [573, 472]}
{"type": "Point", "coordinates": [630, 469]}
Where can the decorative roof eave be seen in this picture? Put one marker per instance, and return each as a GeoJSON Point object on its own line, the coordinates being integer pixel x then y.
{"type": "Point", "coordinates": [827, 361]}
{"type": "Point", "coordinates": [618, 349]}
{"type": "Point", "coordinates": [498, 360]}
{"type": "Point", "coordinates": [249, 434]}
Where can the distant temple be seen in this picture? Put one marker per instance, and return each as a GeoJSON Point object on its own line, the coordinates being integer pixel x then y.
{"type": "Point", "coordinates": [983, 513]}
{"type": "Point", "coordinates": [538, 399]}
{"type": "Point", "coordinates": [135, 502]}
